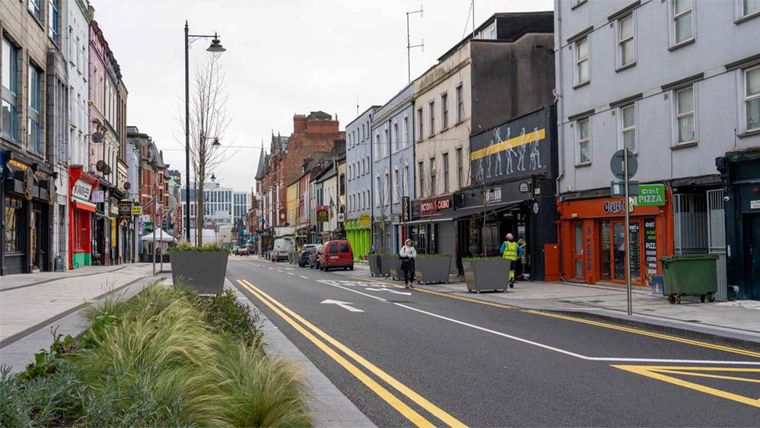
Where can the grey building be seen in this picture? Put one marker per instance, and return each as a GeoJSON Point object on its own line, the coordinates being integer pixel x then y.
{"type": "Point", "coordinates": [392, 168]}
{"type": "Point", "coordinates": [677, 82]}
{"type": "Point", "coordinates": [359, 182]}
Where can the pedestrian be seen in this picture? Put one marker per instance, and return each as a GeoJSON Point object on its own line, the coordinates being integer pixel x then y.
{"type": "Point", "coordinates": [407, 255]}
{"type": "Point", "coordinates": [521, 259]}
{"type": "Point", "coordinates": [508, 250]}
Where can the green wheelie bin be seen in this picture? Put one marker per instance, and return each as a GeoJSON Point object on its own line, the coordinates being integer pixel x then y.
{"type": "Point", "coordinates": [690, 275]}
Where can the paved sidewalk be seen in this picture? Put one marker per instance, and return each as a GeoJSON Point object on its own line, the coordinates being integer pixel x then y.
{"type": "Point", "coordinates": [738, 319]}
{"type": "Point", "coordinates": [29, 301]}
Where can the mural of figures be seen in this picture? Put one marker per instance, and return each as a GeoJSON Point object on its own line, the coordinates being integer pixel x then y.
{"type": "Point", "coordinates": [526, 153]}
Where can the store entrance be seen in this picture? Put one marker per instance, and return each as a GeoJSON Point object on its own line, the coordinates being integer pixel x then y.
{"type": "Point", "coordinates": [753, 236]}
{"type": "Point", "coordinates": [612, 250]}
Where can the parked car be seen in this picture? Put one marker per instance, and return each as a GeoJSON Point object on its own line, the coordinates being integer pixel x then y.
{"type": "Point", "coordinates": [314, 257]}
{"type": "Point", "coordinates": [303, 258]}
{"type": "Point", "coordinates": [282, 247]}
{"type": "Point", "coordinates": [243, 251]}
{"type": "Point", "coordinates": [336, 254]}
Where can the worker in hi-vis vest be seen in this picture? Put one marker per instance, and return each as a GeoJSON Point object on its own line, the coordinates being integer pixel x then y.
{"type": "Point", "coordinates": [508, 250]}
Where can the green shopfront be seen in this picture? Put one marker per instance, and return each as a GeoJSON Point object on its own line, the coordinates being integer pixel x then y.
{"type": "Point", "coordinates": [359, 235]}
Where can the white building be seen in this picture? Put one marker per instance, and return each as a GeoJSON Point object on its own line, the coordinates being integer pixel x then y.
{"type": "Point", "coordinates": [222, 205]}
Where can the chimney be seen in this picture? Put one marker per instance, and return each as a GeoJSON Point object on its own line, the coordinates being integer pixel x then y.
{"type": "Point", "coordinates": [299, 123]}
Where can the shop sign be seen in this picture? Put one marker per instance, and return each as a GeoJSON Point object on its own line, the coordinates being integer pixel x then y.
{"type": "Point", "coordinates": [365, 220]}
{"type": "Point", "coordinates": [136, 210]}
{"type": "Point", "coordinates": [524, 187]}
{"type": "Point", "coordinates": [435, 205]}
{"type": "Point", "coordinates": [754, 205]}
{"type": "Point", "coordinates": [98, 197]}
{"type": "Point", "coordinates": [650, 246]}
{"type": "Point", "coordinates": [82, 190]}
{"type": "Point", "coordinates": [494, 195]}
{"type": "Point", "coordinates": [651, 195]}
{"type": "Point", "coordinates": [614, 207]}
{"type": "Point", "coordinates": [516, 149]}
{"type": "Point", "coordinates": [406, 209]}
{"type": "Point", "coordinates": [125, 208]}
{"type": "Point", "coordinates": [113, 208]}
{"type": "Point", "coordinates": [323, 213]}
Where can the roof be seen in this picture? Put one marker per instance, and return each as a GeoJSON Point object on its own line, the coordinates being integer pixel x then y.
{"type": "Point", "coordinates": [261, 169]}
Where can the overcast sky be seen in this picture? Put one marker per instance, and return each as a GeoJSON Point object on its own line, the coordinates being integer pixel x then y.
{"type": "Point", "coordinates": [283, 57]}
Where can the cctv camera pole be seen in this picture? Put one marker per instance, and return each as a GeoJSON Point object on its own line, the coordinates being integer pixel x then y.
{"type": "Point", "coordinates": [409, 45]}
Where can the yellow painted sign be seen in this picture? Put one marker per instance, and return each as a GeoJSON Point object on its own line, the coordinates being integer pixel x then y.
{"type": "Point", "coordinates": [511, 143]}
{"type": "Point", "coordinates": [365, 219]}
{"type": "Point", "coordinates": [113, 232]}
{"type": "Point", "coordinates": [136, 209]}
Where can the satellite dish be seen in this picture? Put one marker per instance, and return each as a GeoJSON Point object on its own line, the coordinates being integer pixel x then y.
{"type": "Point", "coordinates": [127, 185]}
{"type": "Point", "coordinates": [107, 170]}
{"type": "Point", "coordinates": [97, 137]}
{"type": "Point", "coordinates": [100, 165]}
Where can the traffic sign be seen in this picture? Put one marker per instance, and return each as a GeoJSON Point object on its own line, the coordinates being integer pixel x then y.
{"type": "Point", "coordinates": [617, 188]}
{"type": "Point", "coordinates": [617, 167]}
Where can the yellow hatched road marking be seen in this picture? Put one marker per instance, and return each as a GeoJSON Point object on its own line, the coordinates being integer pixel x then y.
{"type": "Point", "coordinates": [655, 372]}
{"type": "Point", "coordinates": [390, 380]}
{"type": "Point", "coordinates": [713, 376]}
{"type": "Point", "coordinates": [375, 387]}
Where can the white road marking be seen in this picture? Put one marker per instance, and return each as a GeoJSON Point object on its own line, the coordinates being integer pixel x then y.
{"type": "Point", "coordinates": [345, 305]}
{"type": "Point", "coordinates": [333, 284]}
{"type": "Point", "coordinates": [389, 290]}
{"type": "Point", "coordinates": [290, 273]}
{"type": "Point", "coordinates": [304, 277]}
{"type": "Point", "coordinates": [574, 354]}
{"type": "Point", "coordinates": [271, 268]}
{"type": "Point", "coordinates": [278, 270]}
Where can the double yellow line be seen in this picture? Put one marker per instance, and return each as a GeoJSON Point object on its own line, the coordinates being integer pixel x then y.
{"type": "Point", "coordinates": [310, 331]}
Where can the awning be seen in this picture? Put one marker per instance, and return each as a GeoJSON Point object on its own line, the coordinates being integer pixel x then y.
{"type": "Point", "coordinates": [82, 205]}
{"type": "Point", "coordinates": [466, 212]}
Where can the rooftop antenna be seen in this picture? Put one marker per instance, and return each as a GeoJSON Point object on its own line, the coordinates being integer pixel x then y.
{"type": "Point", "coordinates": [357, 106]}
{"type": "Point", "coordinates": [473, 19]}
{"type": "Point", "coordinates": [409, 45]}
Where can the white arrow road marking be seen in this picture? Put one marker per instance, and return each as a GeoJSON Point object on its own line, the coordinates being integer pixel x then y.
{"type": "Point", "coordinates": [405, 293]}
{"type": "Point", "coordinates": [304, 277]}
{"type": "Point", "coordinates": [344, 305]}
{"type": "Point", "coordinates": [290, 273]}
{"type": "Point", "coordinates": [332, 283]}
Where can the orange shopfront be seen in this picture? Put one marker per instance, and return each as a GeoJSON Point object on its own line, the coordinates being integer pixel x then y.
{"type": "Point", "coordinates": [592, 235]}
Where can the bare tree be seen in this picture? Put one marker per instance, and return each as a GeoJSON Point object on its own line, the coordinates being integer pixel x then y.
{"type": "Point", "coordinates": [209, 120]}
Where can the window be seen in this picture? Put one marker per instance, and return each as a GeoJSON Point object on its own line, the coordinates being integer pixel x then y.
{"type": "Point", "coordinates": [460, 168]}
{"type": "Point", "coordinates": [405, 131]}
{"type": "Point", "coordinates": [432, 176]}
{"type": "Point", "coordinates": [342, 184]}
{"type": "Point", "coordinates": [584, 141]}
{"type": "Point", "coordinates": [379, 189]}
{"type": "Point", "coordinates": [628, 127]}
{"type": "Point", "coordinates": [386, 189]}
{"type": "Point", "coordinates": [53, 24]}
{"type": "Point", "coordinates": [749, 7]}
{"type": "Point", "coordinates": [421, 174]}
{"type": "Point", "coordinates": [685, 123]}
{"type": "Point", "coordinates": [10, 114]}
{"type": "Point", "coordinates": [581, 61]}
{"type": "Point", "coordinates": [419, 124]}
{"type": "Point", "coordinates": [683, 20]}
{"type": "Point", "coordinates": [626, 47]}
{"type": "Point", "coordinates": [333, 249]}
{"type": "Point", "coordinates": [431, 111]}
{"type": "Point", "coordinates": [445, 111]}
{"type": "Point", "coordinates": [13, 221]}
{"type": "Point", "coordinates": [445, 173]}
{"type": "Point", "coordinates": [35, 110]}
{"type": "Point", "coordinates": [396, 185]}
{"type": "Point", "coordinates": [405, 187]}
{"type": "Point", "coordinates": [395, 137]}
{"type": "Point", "coordinates": [752, 98]}
{"type": "Point", "coordinates": [460, 104]}
{"type": "Point", "coordinates": [377, 146]}
{"type": "Point", "coordinates": [35, 7]}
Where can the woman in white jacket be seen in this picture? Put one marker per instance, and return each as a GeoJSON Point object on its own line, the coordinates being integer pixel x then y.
{"type": "Point", "coordinates": [408, 254]}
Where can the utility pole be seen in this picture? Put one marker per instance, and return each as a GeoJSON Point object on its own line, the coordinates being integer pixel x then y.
{"type": "Point", "coordinates": [627, 233]}
{"type": "Point", "coordinates": [409, 45]}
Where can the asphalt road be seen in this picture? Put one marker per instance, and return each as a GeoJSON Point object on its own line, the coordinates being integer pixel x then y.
{"type": "Point", "coordinates": [416, 358]}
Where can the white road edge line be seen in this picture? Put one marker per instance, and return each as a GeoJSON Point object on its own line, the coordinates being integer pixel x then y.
{"type": "Point", "coordinates": [573, 354]}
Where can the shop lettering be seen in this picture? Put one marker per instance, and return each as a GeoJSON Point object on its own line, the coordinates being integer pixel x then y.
{"type": "Point", "coordinates": [81, 190]}
{"type": "Point", "coordinates": [614, 207]}
{"type": "Point", "coordinates": [438, 205]}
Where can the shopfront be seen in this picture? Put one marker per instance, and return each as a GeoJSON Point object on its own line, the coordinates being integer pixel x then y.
{"type": "Point", "coordinates": [359, 235]}
{"type": "Point", "coordinates": [432, 228]}
{"type": "Point", "coordinates": [593, 240]}
{"type": "Point", "coordinates": [27, 198]}
{"type": "Point", "coordinates": [81, 210]}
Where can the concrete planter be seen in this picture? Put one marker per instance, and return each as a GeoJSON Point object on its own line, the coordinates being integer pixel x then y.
{"type": "Point", "coordinates": [432, 269]}
{"type": "Point", "coordinates": [203, 271]}
{"type": "Point", "coordinates": [390, 265]}
{"type": "Point", "coordinates": [489, 274]}
{"type": "Point", "coordinates": [374, 265]}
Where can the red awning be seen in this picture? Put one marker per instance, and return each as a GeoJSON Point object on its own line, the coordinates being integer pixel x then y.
{"type": "Point", "coordinates": [82, 205]}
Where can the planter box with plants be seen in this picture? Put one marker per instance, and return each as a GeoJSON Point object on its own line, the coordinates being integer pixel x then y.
{"type": "Point", "coordinates": [390, 264]}
{"type": "Point", "coordinates": [432, 268]}
{"type": "Point", "coordinates": [486, 274]}
{"type": "Point", "coordinates": [199, 268]}
{"type": "Point", "coordinates": [374, 265]}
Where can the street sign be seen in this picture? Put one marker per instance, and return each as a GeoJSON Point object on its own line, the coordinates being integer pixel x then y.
{"type": "Point", "coordinates": [617, 167]}
{"type": "Point", "coordinates": [136, 209]}
{"type": "Point", "coordinates": [651, 195]}
{"type": "Point", "coordinates": [617, 188]}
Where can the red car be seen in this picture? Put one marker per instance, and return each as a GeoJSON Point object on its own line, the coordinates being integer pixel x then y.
{"type": "Point", "coordinates": [336, 254]}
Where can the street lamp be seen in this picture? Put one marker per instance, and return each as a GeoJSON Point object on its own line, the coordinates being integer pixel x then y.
{"type": "Point", "coordinates": [216, 48]}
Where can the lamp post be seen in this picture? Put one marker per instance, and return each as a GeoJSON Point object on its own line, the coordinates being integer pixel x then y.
{"type": "Point", "coordinates": [215, 47]}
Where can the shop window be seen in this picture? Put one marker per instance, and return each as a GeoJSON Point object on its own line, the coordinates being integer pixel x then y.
{"type": "Point", "coordinates": [12, 218]}
{"type": "Point", "coordinates": [604, 254]}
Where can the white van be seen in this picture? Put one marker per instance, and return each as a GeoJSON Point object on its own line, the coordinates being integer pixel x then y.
{"type": "Point", "coordinates": [282, 247]}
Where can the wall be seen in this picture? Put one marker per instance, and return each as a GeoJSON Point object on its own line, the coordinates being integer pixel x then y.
{"type": "Point", "coordinates": [719, 40]}
{"type": "Point", "coordinates": [358, 158]}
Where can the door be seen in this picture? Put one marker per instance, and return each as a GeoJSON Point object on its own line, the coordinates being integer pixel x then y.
{"type": "Point", "coordinates": [754, 251]}
{"type": "Point", "coordinates": [605, 250]}
{"type": "Point", "coordinates": [578, 252]}
{"type": "Point", "coordinates": [617, 251]}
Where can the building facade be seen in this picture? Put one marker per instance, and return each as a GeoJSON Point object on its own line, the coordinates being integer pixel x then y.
{"type": "Point", "coordinates": [392, 169]}
{"type": "Point", "coordinates": [609, 99]}
{"type": "Point", "coordinates": [359, 183]}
